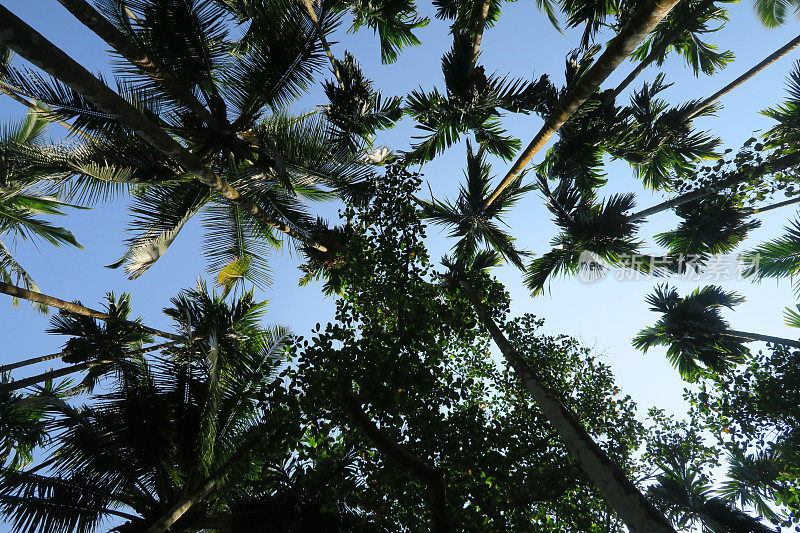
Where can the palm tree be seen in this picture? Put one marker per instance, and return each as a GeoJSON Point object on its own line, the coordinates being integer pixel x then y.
{"type": "Point", "coordinates": [470, 222]}
{"type": "Point", "coordinates": [753, 480]}
{"type": "Point", "coordinates": [648, 133]}
{"type": "Point", "coordinates": [167, 440]}
{"type": "Point", "coordinates": [472, 102]}
{"type": "Point", "coordinates": [116, 319]}
{"type": "Point", "coordinates": [761, 65]}
{"type": "Point", "coordinates": [713, 225]}
{"type": "Point", "coordinates": [611, 481]}
{"type": "Point", "coordinates": [643, 21]}
{"type": "Point", "coordinates": [269, 166]}
{"type": "Point", "coordinates": [603, 229]}
{"type": "Point", "coordinates": [689, 501]}
{"type": "Point", "coordinates": [694, 331]}
{"type": "Point", "coordinates": [772, 13]}
{"type": "Point", "coordinates": [778, 258]}
{"type": "Point", "coordinates": [681, 31]}
{"type": "Point", "coordinates": [21, 202]}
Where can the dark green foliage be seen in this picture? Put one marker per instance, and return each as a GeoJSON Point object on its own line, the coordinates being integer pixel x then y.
{"type": "Point", "coordinates": [394, 21]}
{"type": "Point", "coordinates": [160, 433]}
{"type": "Point", "coordinates": [787, 131]}
{"type": "Point", "coordinates": [472, 102]}
{"type": "Point", "coordinates": [406, 346]}
{"type": "Point", "coordinates": [693, 330]}
{"type": "Point", "coordinates": [754, 415]}
{"type": "Point", "coordinates": [710, 226]}
{"type": "Point", "coordinates": [22, 203]}
{"type": "Point", "coordinates": [773, 13]}
{"type": "Point", "coordinates": [777, 258]}
{"type": "Point", "coordinates": [689, 501]}
{"type": "Point", "coordinates": [245, 62]}
{"type": "Point", "coordinates": [357, 110]}
{"type": "Point", "coordinates": [653, 137]}
{"type": "Point", "coordinates": [470, 221]}
{"type": "Point", "coordinates": [683, 29]}
{"type": "Point", "coordinates": [602, 229]}
{"type": "Point", "coordinates": [109, 343]}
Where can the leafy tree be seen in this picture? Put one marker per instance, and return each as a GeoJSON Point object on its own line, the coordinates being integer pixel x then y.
{"type": "Point", "coordinates": [409, 381]}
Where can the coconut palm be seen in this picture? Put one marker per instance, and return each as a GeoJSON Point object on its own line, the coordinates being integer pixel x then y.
{"type": "Point", "coordinates": [160, 449]}
{"type": "Point", "coordinates": [22, 203]}
{"type": "Point", "coordinates": [689, 501]}
{"type": "Point", "coordinates": [255, 165]}
{"type": "Point", "coordinates": [695, 333]}
{"type": "Point", "coordinates": [619, 492]}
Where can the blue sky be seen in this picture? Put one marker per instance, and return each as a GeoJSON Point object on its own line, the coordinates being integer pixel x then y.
{"type": "Point", "coordinates": [604, 315]}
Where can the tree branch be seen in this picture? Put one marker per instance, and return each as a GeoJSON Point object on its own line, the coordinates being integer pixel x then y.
{"type": "Point", "coordinates": [431, 476]}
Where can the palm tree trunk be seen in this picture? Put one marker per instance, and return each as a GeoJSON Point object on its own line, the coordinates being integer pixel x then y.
{"type": "Point", "coordinates": [777, 165]}
{"type": "Point", "coordinates": [476, 43]}
{"type": "Point", "coordinates": [32, 46]}
{"type": "Point", "coordinates": [775, 205]}
{"type": "Point", "coordinates": [656, 52]}
{"type": "Point", "coordinates": [432, 477]}
{"type": "Point", "coordinates": [312, 14]}
{"type": "Point", "coordinates": [758, 337]}
{"type": "Point", "coordinates": [128, 49]}
{"type": "Point", "coordinates": [31, 361]}
{"type": "Point", "coordinates": [166, 521]}
{"type": "Point", "coordinates": [767, 61]}
{"type": "Point", "coordinates": [619, 492]}
{"type": "Point", "coordinates": [77, 309]}
{"type": "Point", "coordinates": [644, 19]}
{"type": "Point", "coordinates": [61, 372]}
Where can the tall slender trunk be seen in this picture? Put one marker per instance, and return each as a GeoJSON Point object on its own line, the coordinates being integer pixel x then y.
{"type": "Point", "coordinates": [312, 14]}
{"type": "Point", "coordinates": [644, 19]}
{"type": "Point", "coordinates": [656, 52]}
{"type": "Point", "coordinates": [432, 477]}
{"type": "Point", "coordinates": [61, 372]}
{"type": "Point", "coordinates": [767, 61]}
{"type": "Point", "coordinates": [31, 361]}
{"type": "Point", "coordinates": [77, 309]}
{"type": "Point", "coordinates": [128, 49]}
{"type": "Point", "coordinates": [758, 337]}
{"type": "Point", "coordinates": [205, 488]}
{"type": "Point", "coordinates": [776, 205]}
{"type": "Point", "coordinates": [32, 46]}
{"type": "Point", "coordinates": [736, 178]}
{"type": "Point", "coordinates": [479, 29]}
{"type": "Point", "coordinates": [619, 492]}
